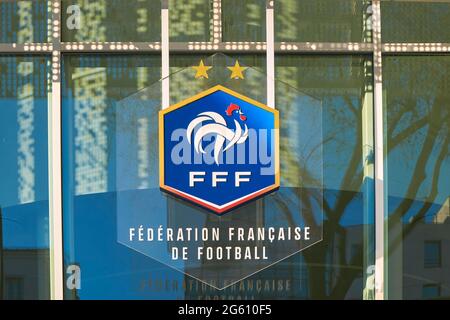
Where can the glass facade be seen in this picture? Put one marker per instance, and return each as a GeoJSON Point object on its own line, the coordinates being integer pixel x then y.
{"type": "Point", "coordinates": [415, 21]}
{"type": "Point", "coordinates": [24, 205]}
{"type": "Point", "coordinates": [323, 21]}
{"type": "Point", "coordinates": [23, 21]}
{"type": "Point", "coordinates": [418, 170]}
{"type": "Point", "coordinates": [362, 90]}
{"type": "Point", "coordinates": [244, 20]}
{"type": "Point", "coordinates": [110, 20]}
{"type": "Point", "coordinates": [343, 84]}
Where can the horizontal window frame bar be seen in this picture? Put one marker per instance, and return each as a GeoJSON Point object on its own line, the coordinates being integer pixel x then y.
{"type": "Point", "coordinates": [239, 47]}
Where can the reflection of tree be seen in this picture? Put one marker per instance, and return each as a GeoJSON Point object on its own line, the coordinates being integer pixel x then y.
{"type": "Point", "coordinates": [408, 115]}
{"type": "Point", "coordinates": [421, 110]}
{"type": "Point", "coordinates": [345, 107]}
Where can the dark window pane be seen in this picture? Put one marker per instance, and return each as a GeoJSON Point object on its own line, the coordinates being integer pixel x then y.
{"type": "Point", "coordinates": [323, 20]}
{"type": "Point", "coordinates": [431, 291]}
{"type": "Point", "coordinates": [111, 20]}
{"type": "Point", "coordinates": [416, 97]}
{"type": "Point", "coordinates": [23, 21]}
{"type": "Point", "coordinates": [189, 20]}
{"type": "Point", "coordinates": [413, 21]}
{"type": "Point", "coordinates": [432, 254]}
{"type": "Point", "coordinates": [14, 288]}
{"type": "Point", "coordinates": [24, 217]}
{"type": "Point", "coordinates": [244, 20]}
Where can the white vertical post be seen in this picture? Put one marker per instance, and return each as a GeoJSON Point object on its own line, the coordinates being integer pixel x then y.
{"type": "Point", "coordinates": [165, 53]}
{"type": "Point", "coordinates": [379, 155]}
{"type": "Point", "coordinates": [270, 53]}
{"type": "Point", "coordinates": [54, 161]}
{"type": "Point", "coordinates": [55, 194]}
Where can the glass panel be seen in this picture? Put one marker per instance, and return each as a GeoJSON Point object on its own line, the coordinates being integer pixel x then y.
{"type": "Point", "coordinates": [413, 21]}
{"type": "Point", "coordinates": [432, 254]}
{"type": "Point", "coordinates": [110, 174]}
{"type": "Point", "coordinates": [244, 20]}
{"type": "Point", "coordinates": [417, 97]}
{"type": "Point", "coordinates": [92, 88]}
{"type": "Point", "coordinates": [341, 266]}
{"type": "Point", "coordinates": [431, 291]}
{"type": "Point", "coordinates": [24, 238]}
{"type": "Point", "coordinates": [111, 20]}
{"type": "Point", "coordinates": [323, 20]}
{"type": "Point", "coordinates": [23, 21]}
{"type": "Point", "coordinates": [189, 21]}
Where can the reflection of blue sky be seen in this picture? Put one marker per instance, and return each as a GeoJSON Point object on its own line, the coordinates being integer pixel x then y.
{"type": "Point", "coordinates": [339, 124]}
{"type": "Point", "coordinates": [109, 269]}
{"type": "Point", "coordinates": [401, 165]}
{"type": "Point", "coordinates": [305, 136]}
{"type": "Point", "coordinates": [112, 271]}
{"type": "Point", "coordinates": [26, 226]}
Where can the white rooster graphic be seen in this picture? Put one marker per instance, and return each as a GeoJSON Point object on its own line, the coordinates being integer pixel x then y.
{"type": "Point", "coordinates": [216, 124]}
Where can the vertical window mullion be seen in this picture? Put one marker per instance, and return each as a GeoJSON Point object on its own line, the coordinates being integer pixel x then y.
{"type": "Point", "coordinates": [55, 167]}
{"type": "Point", "coordinates": [165, 53]}
{"type": "Point", "coordinates": [379, 154]}
{"type": "Point", "coordinates": [270, 53]}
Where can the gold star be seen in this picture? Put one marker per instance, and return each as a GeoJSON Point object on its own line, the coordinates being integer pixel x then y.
{"type": "Point", "coordinates": [236, 71]}
{"type": "Point", "coordinates": [201, 70]}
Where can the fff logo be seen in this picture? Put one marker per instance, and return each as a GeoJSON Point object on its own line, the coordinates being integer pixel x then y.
{"type": "Point", "coordinates": [219, 149]}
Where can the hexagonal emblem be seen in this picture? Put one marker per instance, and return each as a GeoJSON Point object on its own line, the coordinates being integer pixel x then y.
{"type": "Point", "coordinates": [219, 149]}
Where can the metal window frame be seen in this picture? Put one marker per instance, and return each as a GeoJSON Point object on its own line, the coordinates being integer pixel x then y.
{"type": "Point", "coordinates": [55, 48]}
{"type": "Point", "coordinates": [379, 152]}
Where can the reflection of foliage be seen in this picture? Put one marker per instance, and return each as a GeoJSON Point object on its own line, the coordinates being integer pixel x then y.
{"type": "Point", "coordinates": [417, 119]}
{"type": "Point", "coordinates": [419, 111]}
{"type": "Point", "coordinates": [342, 102]}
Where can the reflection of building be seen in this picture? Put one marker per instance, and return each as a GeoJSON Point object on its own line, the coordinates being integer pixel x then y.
{"type": "Point", "coordinates": [24, 253]}
{"type": "Point", "coordinates": [23, 21]}
{"type": "Point", "coordinates": [424, 259]}
{"type": "Point", "coordinates": [26, 274]}
{"type": "Point", "coordinates": [444, 213]}
{"type": "Point", "coordinates": [91, 80]}
{"type": "Point", "coordinates": [189, 21]}
{"type": "Point", "coordinates": [112, 20]}
{"type": "Point", "coordinates": [96, 93]}
{"type": "Point", "coordinates": [90, 139]}
{"type": "Point", "coordinates": [90, 121]}
{"type": "Point", "coordinates": [342, 20]}
{"type": "Point", "coordinates": [426, 256]}
{"type": "Point", "coordinates": [25, 112]}
{"type": "Point", "coordinates": [420, 262]}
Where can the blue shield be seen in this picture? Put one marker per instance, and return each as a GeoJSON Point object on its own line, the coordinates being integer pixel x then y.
{"type": "Point", "coordinates": [219, 149]}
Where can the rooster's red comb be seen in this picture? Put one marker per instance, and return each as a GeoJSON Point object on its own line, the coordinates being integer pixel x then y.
{"type": "Point", "coordinates": [232, 107]}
